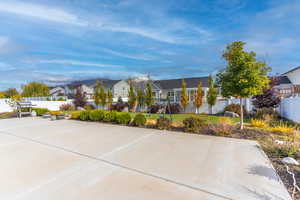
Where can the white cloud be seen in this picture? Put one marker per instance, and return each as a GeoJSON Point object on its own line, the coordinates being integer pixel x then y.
{"type": "Point", "coordinates": [136, 57]}
{"type": "Point", "coordinates": [79, 63]}
{"type": "Point", "coordinates": [41, 12]}
{"type": "Point", "coordinates": [165, 32]}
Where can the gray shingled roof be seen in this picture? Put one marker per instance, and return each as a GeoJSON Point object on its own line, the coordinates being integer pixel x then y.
{"type": "Point", "coordinates": [177, 83]}
{"type": "Point", "coordinates": [284, 80]}
{"type": "Point", "coordinates": [292, 70]}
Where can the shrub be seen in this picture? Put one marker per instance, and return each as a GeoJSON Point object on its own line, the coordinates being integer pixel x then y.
{"type": "Point", "coordinates": [258, 123]}
{"type": "Point", "coordinates": [56, 113]}
{"type": "Point", "coordinates": [283, 129]}
{"type": "Point", "coordinates": [220, 129]}
{"type": "Point", "coordinates": [151, 122]}
{"type": "Point", "coordinates": [84, 115]}
{"type": "Point", "coordinates": [110, 116]}
{"type": "Point", "coordinates": [173, 108]}
{"type": "Point", "coordinates": [119, 107]}
{"type": "Point", "coordinates": [267, 114]}
{"type": "Point", "coordinates": [236, 108]}
{"type": "Point", "coordinates": [163, 123]}
{"type": "Point", "coordinates": [40, 111]}
{"type": "Point", "coordinates": [123, 118]}
{"type": "Point", "coordinates": [193, 124]}
{"type": "Point", "coordinates": [96, 115]}
{"type": "Point", "coordinates": [60, 99]}
{"type": "Point", "coordinates": [89, 107]}
{"type": "Point", "coordinates": [288, 149]}
{"type": "Point", "coordinates": [66, 107]}
{"type": "Point", "coordinates": [154, 108]}
{"type": "Point", "coordinates": [75, 114]}
{"type": "Point", "coordinates": [139, 120]}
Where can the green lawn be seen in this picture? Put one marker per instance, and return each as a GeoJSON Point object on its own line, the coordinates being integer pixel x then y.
{"type": "Point", "coordinates": [181, 117]}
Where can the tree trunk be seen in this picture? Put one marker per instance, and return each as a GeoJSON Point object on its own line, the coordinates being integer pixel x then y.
{"type": "Point", "coordinates": [242, 114]}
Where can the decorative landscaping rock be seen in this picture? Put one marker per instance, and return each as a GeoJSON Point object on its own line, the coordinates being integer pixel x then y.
{"type": "Point", "coordinates": [47, 115]}
{"type": "Point", "coordinates": [230, 114]}
{"type": "Point", "coordinates": [53, 117]}
{"type": "Point", "coordinates": [33, 114]}
{"type": "Point", "coordinates": [289, 160]}
{"type": "Point", "coordinates": [62, 116]}
{"type": "Point", "coordinates": [279, 142]}
{"type": "Point", "coordinates": [80, 108]}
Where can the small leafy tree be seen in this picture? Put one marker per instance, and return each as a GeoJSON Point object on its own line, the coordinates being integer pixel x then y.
{"type": "Point", "coordinates": [10, 92]}
{"type": "Point", "coordinates": [97, 93]}
{"type": "Point", "coordinates": [184, 99]}
{"type": "Point", "coordinates": [79, 99]}
{"type": "Point", "coordinates": [109, 98]}
{"type": "Point", "coordinates": [35, 89]}
{"type": "Point", "coordinates": [212, 94]}
{"type": "Point", "coordinates": [149, 100]}
{"type": "Point", "coordinates": [140, 98]}
{"type": "Point", "coordinates": [269, 98]}
{"type": "Point", "coordinates": [132, 97]}
{"type": "Point", "coordinates": [2, 94]}
{"type": "Point", "coordinates": [244, 76]}
{"type": "Point", "coordinates": [198, 101]}
{"type": "Point", "coordinates": [103, 97]}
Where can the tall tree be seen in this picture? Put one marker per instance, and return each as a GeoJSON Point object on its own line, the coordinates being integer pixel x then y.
{"type": "Point", "coordinates": [97, 93]}
{"type": "Point", "coordinates": [212, 94]}
{"type": "Point", "coordinates": [244, 76]}
{"type": "Point", "coordinates": [131, 97]}
{"type": "Point", "coordinates": [184, 99]}
{"type": "Point", "coordinates": [109, 98]}
{"type": "Point", "coordinates": [103, 97]}
{"type": "Point", "coordinates": [10, 92]}
{"type": "Point", "coordinates": [149, 100]}
{"type": "Point", "coordinates": [140, 98]}
{"type": "Point", "coordinates": [35, 89]}
{"type": "Point", "coordinates": [198, 100]}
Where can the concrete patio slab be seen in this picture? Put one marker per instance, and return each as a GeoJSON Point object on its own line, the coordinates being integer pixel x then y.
{"type": "Point", "coordinates": [43, 159]}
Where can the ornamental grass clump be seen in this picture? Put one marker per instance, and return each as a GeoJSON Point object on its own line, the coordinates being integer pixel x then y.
{"type": "Point", "coordinates": [283, 129]}
{"type": "Point", "coordinates": [96, 115]}
{"type": "Point", "coordinates": [194, 124]}
{"type": "Point", "coordinates": [163, 123]}
{"type": "Point", "coordinates": [123, 118]}
{"type": "Point", "coordinates": [139, 120]}
{"type": "Point", "coordinates": [258, 123]}
{"type": "Point", "coordinates": [75, 114]}
{"type": "Point", "coordinates": [84, 115]}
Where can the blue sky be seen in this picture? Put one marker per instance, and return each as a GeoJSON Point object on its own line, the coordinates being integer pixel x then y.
{"type": "Point", "coordinates": [61, 40]}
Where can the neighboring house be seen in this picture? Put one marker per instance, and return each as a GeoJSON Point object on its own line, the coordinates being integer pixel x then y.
{"type": "Point", "coordinates": [289, 83]}
{"type": "Point", "coordinates": [57, 91]}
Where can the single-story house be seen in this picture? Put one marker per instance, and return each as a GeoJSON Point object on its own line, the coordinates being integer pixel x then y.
{"type": "Point", "coordinates": [289, 83]}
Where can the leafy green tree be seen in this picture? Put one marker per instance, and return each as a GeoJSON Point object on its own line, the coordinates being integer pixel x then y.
{"type": "Point", "coordinates": [149, 100]}
{"type": "Point", "coordinates": [184, 99]}
{"type": "Point", "coordinates": [97, 93]}
{"type": "Point", "coordinates": [131, 97]}
{"type": "Point", "coordinates": [35, 89]}
{"type": "Point", "coordinates": [198, 101]}
{"type": "Point", "coordinates": [244, 76]}
{"type": "Point", "coordinates": [212, 94]}
{"type": "Point", "coordinates": [10, 92]}
{"type": "Point", "coordinates": [109, 98]}
{"type": "Point", "coordinates": [140, 98]}
{"type": "Point", "coordinates": [103, 97]}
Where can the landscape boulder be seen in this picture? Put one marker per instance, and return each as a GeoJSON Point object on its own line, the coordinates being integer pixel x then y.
{"type": "Point", "coordinates": [230, 114]}
{"type": "Point", "coordinates": [290, 160]}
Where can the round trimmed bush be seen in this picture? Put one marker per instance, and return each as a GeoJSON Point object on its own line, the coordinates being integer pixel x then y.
{"type": "Point", "coordinates": [194, 124]}
{"type": "Point", "coordinates": [110, 116]}
{"type": "Point", "coordinates": [84, 115]}
{"type": "Point", "coordinates": [139, 120]}
{"type": "Point", "coordinates": [40, 111]}
{"type": "Point", "coordinates": [123, 118]}
{"type": "Point", "coordinates": [96, 115]}
{"type": "Point", "coordinates": [163, 123]}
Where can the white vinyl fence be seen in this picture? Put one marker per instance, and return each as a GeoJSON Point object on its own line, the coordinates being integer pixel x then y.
{"type": "Point", "coordinates": [290, 108]}
{"type": "Point", "coordinates": [50, 105]}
